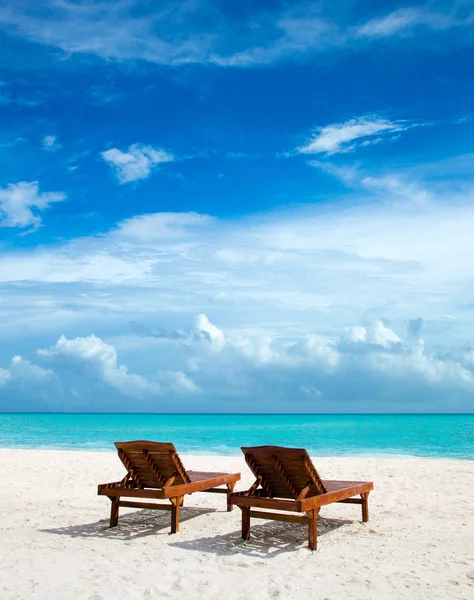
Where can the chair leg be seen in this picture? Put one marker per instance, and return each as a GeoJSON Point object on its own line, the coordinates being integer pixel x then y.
{"type": "Point", "coordinates": [175, 512]}
{"type": "Point", "coordinates": [114, 512]}
{"type": "Point", "coordinates": [365, 506]}
{"type": "Point", "coordinates": [245, 522]}
{"type": "Point", "coordinates": [313, 529]}
{"type": "Point", "coordinates": [230, 489]}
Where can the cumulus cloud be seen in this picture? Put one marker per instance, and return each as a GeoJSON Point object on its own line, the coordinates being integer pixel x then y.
{"type": "Point", "coordinates": [22, 371]}
{"type": "Point", "coordinates": [207, 330]}
{"type": "Point", "coordinates": [343, 137]}
{"type": "Point", "coordinates": [21, 203]}
{"type": "Point", "coordinates": [376, 334]}
{"type": "Point", "coordinates": [138, 162]}
{"type": "Point", "coordinates": [26, 386]}
{"type": "Point", "coordinates": [376, 370]}
{"type": "Point", "coordinates": [367, 367]}
{"type": "Point", "coordinates": [94, 357]}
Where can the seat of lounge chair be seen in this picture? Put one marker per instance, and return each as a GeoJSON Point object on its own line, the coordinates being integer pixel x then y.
{"type": "Point", "coordinates": [203, 475]}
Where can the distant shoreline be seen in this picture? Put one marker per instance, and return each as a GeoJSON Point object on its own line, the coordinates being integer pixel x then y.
{"type": "Point", "coordinates": [210, 455]}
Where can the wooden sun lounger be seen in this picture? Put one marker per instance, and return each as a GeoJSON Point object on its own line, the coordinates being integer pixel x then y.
{"type": "Point", "coordinates": [286, 480]}
{"type": "Point", "coordinates": [155, 471]}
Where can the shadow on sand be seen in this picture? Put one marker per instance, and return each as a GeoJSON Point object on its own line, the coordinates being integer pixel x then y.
{"type": "Point", "coordinates": [140, 523]}
{"type": "Point", "coordinates": [267, 540]}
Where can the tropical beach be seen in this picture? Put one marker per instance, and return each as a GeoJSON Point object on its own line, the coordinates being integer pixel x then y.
{"type": "Point", "coordinates": [56, 542]}
{"type": "Point", "coordinates": [236, 300]}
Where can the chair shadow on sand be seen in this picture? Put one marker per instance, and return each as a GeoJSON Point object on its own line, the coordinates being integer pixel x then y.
{"type": "Point", "coordinates": [138, 524]}
{"type": "Point", "coordinates": [267, 540]}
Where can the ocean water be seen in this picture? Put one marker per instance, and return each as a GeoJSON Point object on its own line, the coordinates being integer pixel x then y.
{"type": "Point", "coordinates": [327, 435]}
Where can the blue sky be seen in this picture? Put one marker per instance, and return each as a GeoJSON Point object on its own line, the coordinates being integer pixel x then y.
{"type": "Point", "coordinates": [262, 206]}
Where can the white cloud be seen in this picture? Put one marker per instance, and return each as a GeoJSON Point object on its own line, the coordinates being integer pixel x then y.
{"type": "Point", "coordinates": [343, 137]}
{"type": "Point", "coordinates": [84, 374]}
{"type": "Point", "coordinates": [402, 21]}
{"type": "Point", "coordinates": [179, 383]}
{"type": "Point", "coordinates": [396, 187]}
{"type": "Point", "coordinates": [50, 142]}
{"type": "Point", "coordinates": [21, 202]}
{"type": "Point", "coordinates": [22, 371]}
{"type": "Point", "coordinates": [369, 367]}
{"type": "Point", "coordinates": [378, 370]}
{"type": "Point", "coordinates": [138, 162]}
{"type": "Point", "coordinates": [210, 332]}
{"type": "Point", "coordinates": [26, 386]}
{"type": "Point", "coordinates": [187, 32]}
{"type": "Point", "coordinates": [160, 227]}
{"type": "Point", "coordinates": [392, 187]}
{"type": "Point", "coordinates": [376, 334]}
{"type": "Point", "coordinates": [100, 360]}
{"type": "Point", "coordinates": [273, 271]}
{"type": "Point", "coordinates": [266, 282]}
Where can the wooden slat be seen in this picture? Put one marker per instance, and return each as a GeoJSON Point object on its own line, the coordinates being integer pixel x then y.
{"type": "Point", "coordinates": [130, 492]}
{"type": "Point", "coordinates": [201, 475]}
{"type": "Point", "coordinates": [102, 487]}
{"type": "Point", "coordinates": [334, 484]}
{"type": "Point", "coordinates": [253, 488]}
{"type": "Point", "coordinates": [148, 505]}
{"type": "Point", "coordinates": [198, 486]}
{"type": "Point", "coordinates": [149, 459]}
{"type": "Point", "coordinates": [273, 516]}
{"type": "Point", "coordinates": [180, 467]}
{"type": "Point", "coordinates": [170, 481]}
{"type": "Point", "coordinates": [285, 472]}
{"type": "Point", "coordinates": [252, 463]}
{"type": "Point", "coordinates": [319, 484]}
{"type": "Point", "coordinates": [284, 475]}
{"type": "Point", "coordinates": [336, 496]}
{"type": "Point", "coordinates": [132, 472]}
{"type": "Point", "coordinates": [238, 499]}
{"type": "Point", "coordinates": [304, 491]}
{"type": "Point", "coordinates": [138, 445]}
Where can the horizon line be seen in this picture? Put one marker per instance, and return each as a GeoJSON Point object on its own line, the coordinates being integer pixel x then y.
{"type": "Point", "coordinates": [268, 414]}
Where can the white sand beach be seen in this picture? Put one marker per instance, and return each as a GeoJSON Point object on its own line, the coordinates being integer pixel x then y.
{"type": "Point", "coordinates": [56, 544]}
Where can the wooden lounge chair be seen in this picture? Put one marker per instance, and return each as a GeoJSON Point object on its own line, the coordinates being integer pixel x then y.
{"type": "Point", "coordinates": [155, 471]}
{"type": "Point", "coordinates": [286, 480]}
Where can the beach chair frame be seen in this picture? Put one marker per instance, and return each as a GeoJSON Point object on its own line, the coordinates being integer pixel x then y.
{"type": "Point", "coordinates": [155, 472]}
{"type": "Point", "coordinates": [287, 481]}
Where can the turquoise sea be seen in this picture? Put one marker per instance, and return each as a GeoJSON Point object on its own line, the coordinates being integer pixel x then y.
{"type": "Point", "coordinates": [326, 435]}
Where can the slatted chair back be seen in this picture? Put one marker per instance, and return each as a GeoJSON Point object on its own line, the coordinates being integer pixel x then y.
{"type": "Point", "coordinates": [284, 472]}
{"type": "Point", "coordinates": [152, 464]}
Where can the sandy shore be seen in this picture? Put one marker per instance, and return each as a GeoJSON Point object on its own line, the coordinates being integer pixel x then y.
{"type": "Point", "coordinates": [55, 543]}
